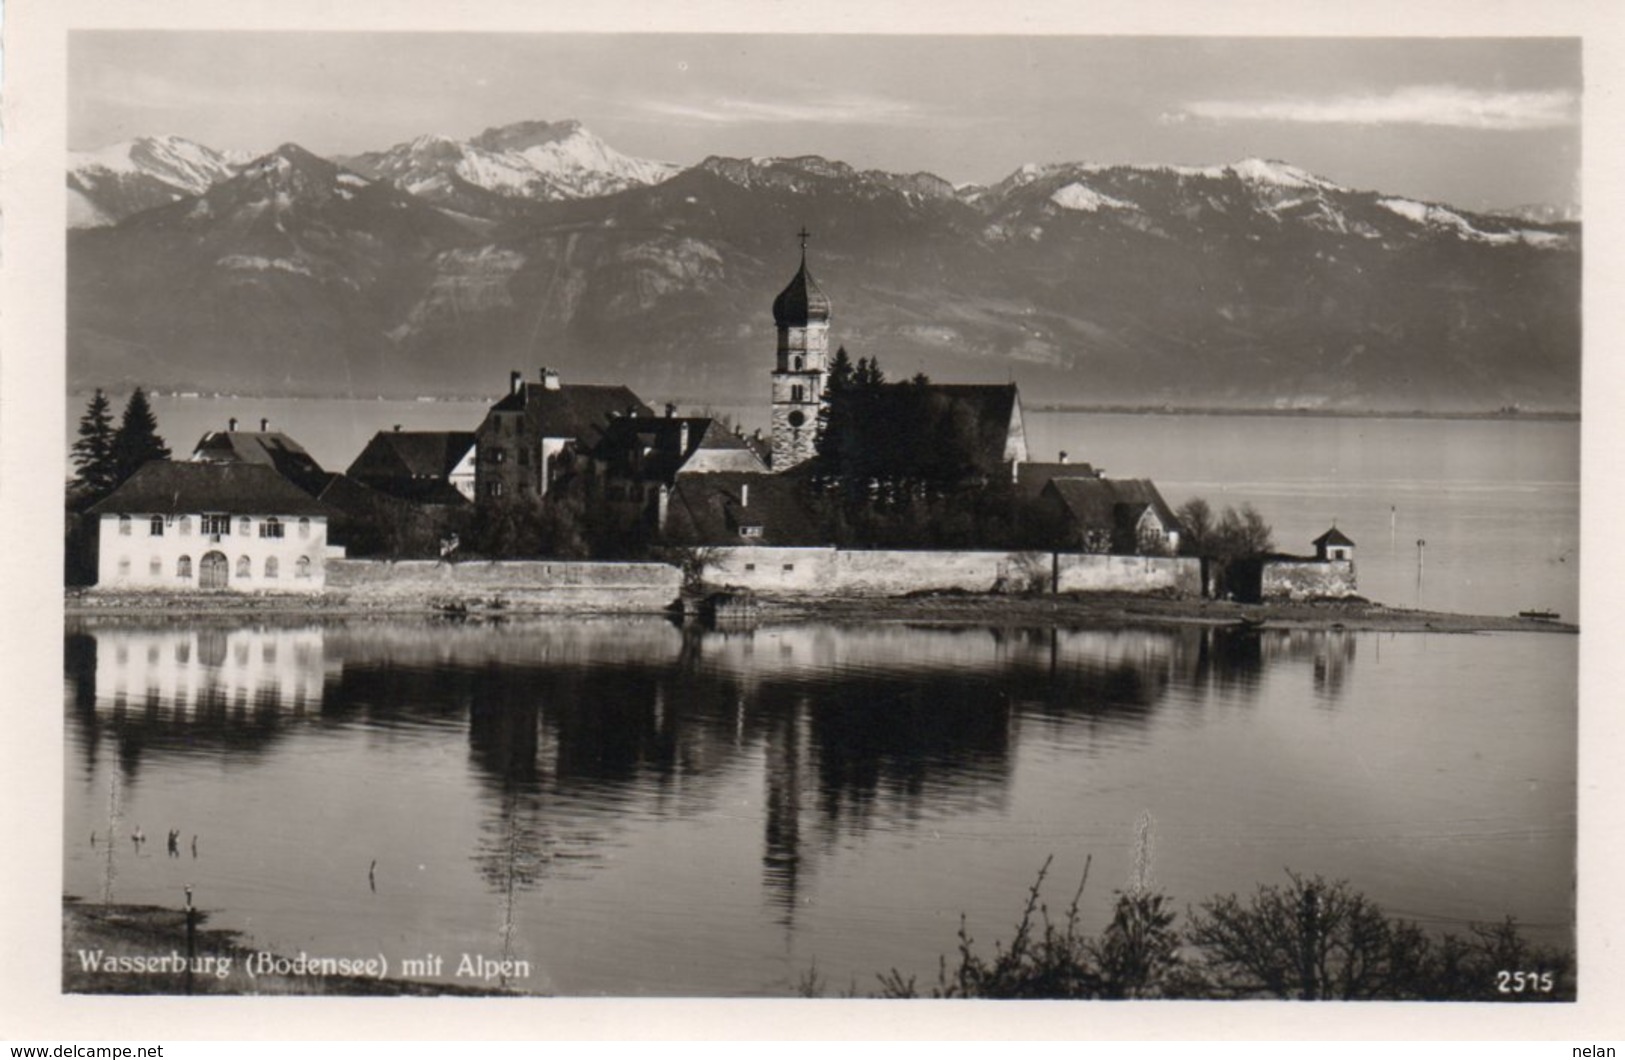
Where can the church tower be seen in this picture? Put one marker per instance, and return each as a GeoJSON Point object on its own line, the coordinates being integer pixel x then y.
{"type": "Point", "coordinates": [801, 315]}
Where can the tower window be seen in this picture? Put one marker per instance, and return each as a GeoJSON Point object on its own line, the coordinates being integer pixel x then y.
{"type": "Point", "coordinates": [797, 394]}
{"type": "Point", "coordinates": [798, 364]}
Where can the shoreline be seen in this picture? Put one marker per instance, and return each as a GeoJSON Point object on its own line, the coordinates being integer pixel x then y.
{"type": "Point", "coordinates": [1080, 610]}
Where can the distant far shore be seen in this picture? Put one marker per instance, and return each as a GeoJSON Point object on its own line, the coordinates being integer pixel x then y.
{"type": "Point", "coordinates": [1549, 415]}
{"type": "Point", "coordinates": [726, 402]}
{"type": "Point", "coordinates": [1075, 610]}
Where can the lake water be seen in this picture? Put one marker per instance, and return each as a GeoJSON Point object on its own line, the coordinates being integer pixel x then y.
{"type": "Point", "coordinates": [639, 809]}
{"type": "Point", "coordinates": [642, 810]}
{"type": "Point", "coordinates": [1497, 501]}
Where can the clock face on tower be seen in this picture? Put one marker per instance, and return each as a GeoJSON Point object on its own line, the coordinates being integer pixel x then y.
{"type": "Point", "coordinates": [797, 418]}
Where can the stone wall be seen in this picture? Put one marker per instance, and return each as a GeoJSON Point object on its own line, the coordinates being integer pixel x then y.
{"type": "Point", "coordinates": [890, 572]}
{"type": "Point", "coordinates": [1287, 579]}
{"type": "Point", "coordinates": [536, 585]}
{"type": "Point", "coordinates": [1082, 573]}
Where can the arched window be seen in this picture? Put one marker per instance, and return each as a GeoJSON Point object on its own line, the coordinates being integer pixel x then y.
{"type": "Point", "coordinates": [245, 526]}
{"type": "Point", "coordinates": [124, 525]}
{"type": "Point", "coordinates": [156, 567]}
{"type": "Point", "coordinates": [798, 364]}
{"type": "Point", "coordinates": [155, 527]}
{"type": "Point", "coordinates": [183, 567]}
{"type": "Point", "coordinates": [186, 525]}
{"type": "Point", "coordinates": [796, 393]}
{"type": "Point", "coordinates": [271, 527]}
{"type": "Point", "coordinates": [301, 567]}
{"type": "Point", "coordinates": [245, 567]}
{"type": "Point", "coordinates": [270, 566]}
{"type": "Point", "coordinates": [304, 526]}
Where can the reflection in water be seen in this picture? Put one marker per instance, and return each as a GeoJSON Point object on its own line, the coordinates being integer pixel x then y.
{"type": "Point", "coordinates": [574, 729]}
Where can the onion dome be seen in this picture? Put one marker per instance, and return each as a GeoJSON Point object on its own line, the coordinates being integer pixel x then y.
{"type": "Point", "coordinates": [802, 302]}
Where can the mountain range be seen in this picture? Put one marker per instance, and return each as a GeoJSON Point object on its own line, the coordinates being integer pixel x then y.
{"type": "Point", "coordinates": [437, 265]}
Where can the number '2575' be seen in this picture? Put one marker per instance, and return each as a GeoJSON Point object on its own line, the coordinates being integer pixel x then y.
{"type": "Point", "coordinates": [1524, 982]}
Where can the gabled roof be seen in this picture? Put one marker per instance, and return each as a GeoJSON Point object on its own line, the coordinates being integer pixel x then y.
{"type": "Point", "coordinates": [267, 448]}
{"type": "Point", "coordinates": [1110, 504]}
{"type": "Point", "coordinates": [411, 454]}
{"type": "Point", "coordinates": [579, 411]}
{"type": "Point", "coordinates": [1032, 477]}
{"type": "Point", "coordinates": [711, 509]}
{"type": "Point", "coordinates": [171, 487]}
{"type": "Point", "coordinates": [1334, 536]}
{"type": "Point", "coordinates": [658, 449]}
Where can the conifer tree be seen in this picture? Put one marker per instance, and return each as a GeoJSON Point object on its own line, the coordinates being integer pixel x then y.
{"type": "Point", "coordinates": [840, 371]}
{"type": "Point", "coordinates": [137, 440]}
{"type": "Point", "coordinates": [96, 473]}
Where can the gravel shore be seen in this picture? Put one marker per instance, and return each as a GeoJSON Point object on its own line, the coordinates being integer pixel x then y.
{"type": "Point", "coordinates": [1080, 610]}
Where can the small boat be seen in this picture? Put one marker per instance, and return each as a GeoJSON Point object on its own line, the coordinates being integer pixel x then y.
{"type": "Point", "coordinates": [1544, 616]}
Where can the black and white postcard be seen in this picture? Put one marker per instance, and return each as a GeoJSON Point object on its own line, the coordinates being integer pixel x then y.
{"type": "Point", "coordinates": [812, 507]}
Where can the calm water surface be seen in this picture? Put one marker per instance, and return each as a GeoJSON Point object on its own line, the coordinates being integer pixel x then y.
{"type": "Point", "coordinates": [639, 809]}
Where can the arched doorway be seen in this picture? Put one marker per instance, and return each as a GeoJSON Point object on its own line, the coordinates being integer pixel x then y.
{"type": "Point", "coordinates": [212, 571]}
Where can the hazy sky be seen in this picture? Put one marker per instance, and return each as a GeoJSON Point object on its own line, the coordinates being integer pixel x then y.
{"type": "Point", "coordinates": [1474, 122]}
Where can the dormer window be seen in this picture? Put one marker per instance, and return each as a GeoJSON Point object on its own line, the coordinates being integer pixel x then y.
{"type": "Point", "coordinates": [750, 531]}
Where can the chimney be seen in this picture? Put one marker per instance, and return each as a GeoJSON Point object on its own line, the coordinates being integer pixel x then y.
{"type": "Point", "coordinates": [231, 424]}
{"type": "Point", "coordinates": [1063, 456]}
{"type": "Point", "coordinates": [663, 504]}
{"type": "Point", "coordinates": [265, 424]}
{"type": "Point", "coordinates": [397, 428]}
{"type": "Point", "coordinates": [513, 382]}
{"type": "Point", "coordinates": [744, 495]}
{"type": "Point", "coordinates": [550, 379]}
{"type": "Point", "coordinates": [671, 410]}
{"type": "Point", "coordinates": [682, 438]}
{"type": "Point", "coordinates": [756, 435]}
{"type": "Point", "coordinates": [631, 412]}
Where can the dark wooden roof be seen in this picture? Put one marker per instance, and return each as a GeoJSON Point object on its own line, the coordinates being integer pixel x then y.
{"type": "Point", "coordinates": [711, 509]}
{"type": "Point", "coordinates": [172, 487]}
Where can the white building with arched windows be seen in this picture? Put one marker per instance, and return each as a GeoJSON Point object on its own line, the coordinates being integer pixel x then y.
{"type": "Point", "coordinates": [186, 526]}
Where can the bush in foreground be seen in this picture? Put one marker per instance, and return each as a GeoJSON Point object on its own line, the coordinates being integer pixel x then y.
{"type": "Point", "coordinates": [1309, 939]}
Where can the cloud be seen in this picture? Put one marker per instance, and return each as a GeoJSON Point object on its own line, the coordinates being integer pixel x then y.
{"type": "Point", "coordinates": [1442, 105]}
{"type": "Point", "coordinates": [849, 110]}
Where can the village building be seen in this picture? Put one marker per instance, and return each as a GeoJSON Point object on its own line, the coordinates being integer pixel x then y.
{"type": "Point", "coordinates": [519, 444]}
{"type": "Point", "coordinates": [227, 525]}
{"type": "Point", "coordinates": [1120, 516]}
{"type": "Point", "coordinates": [1333, 545]}
{"type": "Point", "coordinates": [425, 467]}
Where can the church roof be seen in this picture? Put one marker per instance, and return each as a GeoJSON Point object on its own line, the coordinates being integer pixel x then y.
{"type": "Point", "coordinates": [802, 302]}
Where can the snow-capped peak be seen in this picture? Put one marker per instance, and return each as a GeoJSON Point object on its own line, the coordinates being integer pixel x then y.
{"type": "Point", "coordinates": [524, 160]}
{"type": "Point", "coordinates": [181, 163]}
{"type": "Point", "coordinates": [1279, 174]}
